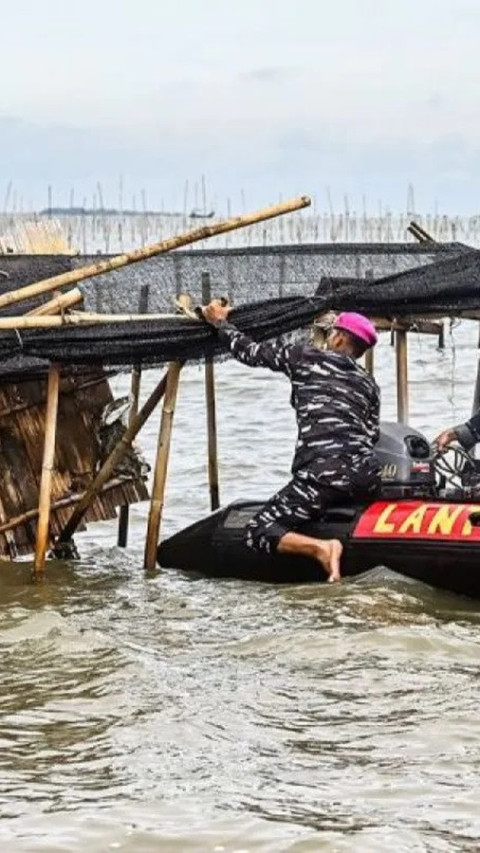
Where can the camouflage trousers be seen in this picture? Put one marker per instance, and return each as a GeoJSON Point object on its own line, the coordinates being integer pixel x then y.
{"type": "Point", "coordinates": [303, 499]}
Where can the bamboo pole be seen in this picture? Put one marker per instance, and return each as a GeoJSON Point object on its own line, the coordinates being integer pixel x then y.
{"type": "Point", "coordinates": [369, 361]}
{"type": "Point", "coordinates": [212, 453]}
{"type": "Point", "coordinates": [80, 318]}
{"type": "Point", "coordinates": [59, 303]}
{"type": "Point", "coordinates": [91, 270]}
{"type": "Point", "coordinates": [61, 503]}
{"type": "Point", "coordinates": [44, 498]}
{"type": "Point", "coordinates": [83, 318]}
{"type": "Point", "coordinates": [401, 356]}
{"type": "Point", "coordinates": [408, 324]}
{"type": "Point", "coordinates": [136, 374]}
{"type": "Point", "coordinates": [161, 466]}
{"type": "Point", "coordinates": [112, 461]}
{"type": "Point", "coordinates": [419, 233]}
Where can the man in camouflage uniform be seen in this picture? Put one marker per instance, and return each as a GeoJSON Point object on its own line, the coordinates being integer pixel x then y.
{"type": "Point", "coordinates": [337, 407]}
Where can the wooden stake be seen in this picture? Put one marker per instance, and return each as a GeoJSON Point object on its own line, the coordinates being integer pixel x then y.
{"type": "Point", "coordinates": [74, 276]}
{"type": "Point", "coordinates": [419, 233]}
{"type": "Point", "coordinates": [108, 467]}
{"type": "Point", "coordinates": [211, 412]}
{"type": "Point", "coordinates": [134, 396]}
{"type": "Point", "coordinates": [401, 354]}
{"type": "Point", "coordinates": [369, 361]}
{"type": "Point", "coordinates": [44, 498]}
{"type": "Point", "coordinates": [161, 466]}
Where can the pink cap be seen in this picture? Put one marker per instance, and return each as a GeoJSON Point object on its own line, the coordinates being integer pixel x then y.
{"type": "Point", "coordinates": [357, 325]}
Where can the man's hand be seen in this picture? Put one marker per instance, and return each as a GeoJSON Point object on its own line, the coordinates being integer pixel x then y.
{"type": "Point", "coordinates": [216, 311]}
{"type": "Point", "coordinates": [445, 438]}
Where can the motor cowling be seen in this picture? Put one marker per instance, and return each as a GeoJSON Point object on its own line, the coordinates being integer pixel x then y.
{"type": "Point", "coordinates": [406, 461]}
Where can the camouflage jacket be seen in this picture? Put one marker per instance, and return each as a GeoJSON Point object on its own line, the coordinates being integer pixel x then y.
{"type": "Point", "coordinates": [337, 406]}
{"type": "Point", "coordinates": [469, 432]}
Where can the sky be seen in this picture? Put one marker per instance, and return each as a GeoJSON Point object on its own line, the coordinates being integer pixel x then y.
{"type": "Point", "coordinates": [350, 101]}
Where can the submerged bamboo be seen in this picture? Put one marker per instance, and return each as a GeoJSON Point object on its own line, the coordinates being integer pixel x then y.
{"type": "Point", "coordinates": [161, 466]}
{"type": "Point", "coordinates": [44, 498]}
{"type": "Point", "coordinates": [91, 270]}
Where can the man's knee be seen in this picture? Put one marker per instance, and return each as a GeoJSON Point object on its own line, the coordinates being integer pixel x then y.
{"type": "Point", "coordinates": [263, 536]}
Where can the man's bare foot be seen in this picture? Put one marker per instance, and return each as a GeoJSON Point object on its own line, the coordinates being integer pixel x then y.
{"type": "Point", "coordinates": [329, 554]}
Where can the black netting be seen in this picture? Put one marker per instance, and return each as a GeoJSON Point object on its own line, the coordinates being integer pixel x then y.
{"type": "Point", "coordinates": [448, 286]}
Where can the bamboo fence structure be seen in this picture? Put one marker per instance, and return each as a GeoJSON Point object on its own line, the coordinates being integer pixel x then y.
{"type": "Point", "coordinates": [96, 230]}
{"type": "Point", "coordinates": [136, 255]}
{"type": "Point", "coordinates": [161, 466]}
{"type": "Point", "coordinates": [53, 314]}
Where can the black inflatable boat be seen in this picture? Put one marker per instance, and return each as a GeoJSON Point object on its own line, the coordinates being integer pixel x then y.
{"type": "Point", "coordinates": [425, 525]}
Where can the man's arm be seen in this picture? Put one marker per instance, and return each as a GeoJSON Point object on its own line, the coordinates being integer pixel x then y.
{"type": "Point", "coordinates": [467, 434]}
{"type": "Point", "coordinates": [271, 354]}
{"type": "Point", "coordinates": [373, 419]}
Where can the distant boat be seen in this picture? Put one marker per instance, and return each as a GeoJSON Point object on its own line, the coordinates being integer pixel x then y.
{"type": "Point", "coordinates": [113, 211]}
{"type": "Point", "coordinates": [196, 214]}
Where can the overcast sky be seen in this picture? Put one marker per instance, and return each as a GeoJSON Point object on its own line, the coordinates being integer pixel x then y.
{"type": "Point", "coordinates": [266, 98]}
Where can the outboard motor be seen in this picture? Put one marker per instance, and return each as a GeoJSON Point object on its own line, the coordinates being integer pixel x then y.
{"type": "Point", "coordinates": [406, 461]}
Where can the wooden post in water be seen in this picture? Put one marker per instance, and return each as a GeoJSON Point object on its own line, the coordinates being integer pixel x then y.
{"type": "Point", "coordinates": [211, 411]}
{"type": "Point", "coordinates": [401, 357]}
{"type": "Point", "coordinates": [134, 395]}
{"type": "Point", "coordinates": [369, 358]}
{"type": "Point", "coordinates": [44, 498]}
{"type": "Point", "coordinates": [161, 466]}
{"type": "Point", "coordinates": [369, 361]}
{"type": "Point", "coordinates": [108, 467]}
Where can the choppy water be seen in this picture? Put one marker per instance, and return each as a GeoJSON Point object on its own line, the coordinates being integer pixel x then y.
{"type": "Point", "coordinates": [165, 713]}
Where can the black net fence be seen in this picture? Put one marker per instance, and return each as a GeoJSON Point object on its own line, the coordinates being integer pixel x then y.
{"type": "Point", "coordinates": [449, 287]}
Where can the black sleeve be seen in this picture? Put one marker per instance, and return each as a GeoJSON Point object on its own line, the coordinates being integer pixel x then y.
{"type": "Point", "coordinates": [272, 354]}
{"type": "Point", "coordinates": [469, 432]}
{"type": "Point", "coordinates": [373, 418]}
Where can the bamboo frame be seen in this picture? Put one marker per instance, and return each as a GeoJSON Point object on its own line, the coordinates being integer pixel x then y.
{"type": "Point", "coordinates": [80, 318]}
{"type": "Point", "coordinates": [136, 374]}
{"type": "Point", "coordinates": [136, 255]}
{"type": "Point", "coordinates": [161, 467]}
{"type": "Point", "coordinates": [370, 361]}
{"type": "Point", "coordinates": [212, 451]}
{"type": "Point", "coordinates": [44, 498]}
{"type": "Point", "coordinates": [61, 503]}
{"type": "Point", "coordinates": [419, 233]}
{"type": "Point", "coordinates": [422, 325]}
{"type": "Point", "coordinates": [401, 357]}
{"type": "Point", "coordinates": [108, 467]}
{"type": "Point", "coordinates": [59, 303]}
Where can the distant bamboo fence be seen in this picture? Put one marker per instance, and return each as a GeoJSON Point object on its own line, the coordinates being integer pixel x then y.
{"type": "Point", "coordinates": [113, 233]}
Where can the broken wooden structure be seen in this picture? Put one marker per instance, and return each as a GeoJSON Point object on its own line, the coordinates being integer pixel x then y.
{"type": "Point", "coordinates": [55, 474]}
{"type": "Point", "coordinates": [54, 477]}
